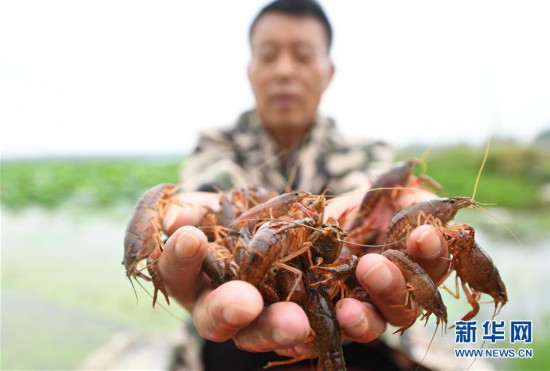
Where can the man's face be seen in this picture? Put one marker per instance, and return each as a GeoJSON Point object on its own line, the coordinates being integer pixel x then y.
{"type": "Point", "coordinates": [289, 70]}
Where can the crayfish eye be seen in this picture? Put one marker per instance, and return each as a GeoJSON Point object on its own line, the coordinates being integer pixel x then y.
{"type": "Point", "coordinates": [274, 270]}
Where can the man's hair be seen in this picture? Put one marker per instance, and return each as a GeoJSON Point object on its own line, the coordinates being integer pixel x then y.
{"type": "Point", "coordinates": [298, 8]}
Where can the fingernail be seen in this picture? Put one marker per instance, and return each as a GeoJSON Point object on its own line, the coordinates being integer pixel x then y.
{"type": "Point", "coordinates": [173, 213]}
{"type": "Point", "coordinates": [234, 315]}
{"type": "Point", "coordinates": [282, 337]}
{"type": "Point", "coordinates": [187, 245]}
{"type": "Point", "coordinates": [358, 327]}
{"type": "Point", "coordinates": [170, 217]}
{"type": "Point", "coordinates": [378, 277]}
{"type": "Point", "coordinates": [428, 242]}
{"type": "Point", "coordinates": [231, 315]}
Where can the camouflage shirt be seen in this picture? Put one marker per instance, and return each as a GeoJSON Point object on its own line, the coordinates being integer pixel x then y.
{"type": "Point", "coordinates": [246, 155]}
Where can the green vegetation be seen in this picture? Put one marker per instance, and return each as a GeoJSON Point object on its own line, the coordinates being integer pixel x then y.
{"type": "Point", "coordinates": [541, 358]}
{"type": "Point", "coordinates": [513, 177]}
{"type": "Point", "coordinates": [90, 182]}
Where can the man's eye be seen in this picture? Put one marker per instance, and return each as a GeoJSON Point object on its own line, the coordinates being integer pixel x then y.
{"type": "Point", "coordinates": [304, 57]}
{"type": "Point", "coordinates": [267, 57]}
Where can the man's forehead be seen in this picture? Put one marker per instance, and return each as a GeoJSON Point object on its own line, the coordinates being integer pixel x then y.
{"type": "Point", "coordinates": [268, 44]}
{"type": "Point", "coordinates": [278, 28]}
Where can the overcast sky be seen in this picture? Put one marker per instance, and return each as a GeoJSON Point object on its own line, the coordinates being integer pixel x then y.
{"type": "Point", "coordinates": [143, 77]}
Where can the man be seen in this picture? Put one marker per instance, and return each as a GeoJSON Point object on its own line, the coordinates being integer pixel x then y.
{"type": "Point", "coordinates": [283, 139]}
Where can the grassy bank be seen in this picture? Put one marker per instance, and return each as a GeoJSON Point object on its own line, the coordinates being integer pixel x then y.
{"type": "Point", "coordinates": [90, 182]}
{"type": "Point", "coordinates": [513, 177]}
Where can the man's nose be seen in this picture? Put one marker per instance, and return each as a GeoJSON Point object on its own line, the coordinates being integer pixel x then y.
{"type": "Point", "coordinates": [285, 66]}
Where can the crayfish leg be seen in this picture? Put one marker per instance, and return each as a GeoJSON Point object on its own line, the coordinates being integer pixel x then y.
{"type": "Point", "coordinates": [430, 182]}
{"type": "Point", "coordinates": [290, 361]}
{"type": "Point", "coordinates": [456, 293]}
{"type": "Point", "coordinates": [402, 329]}
{"type": "Point", "coordinates": [152, 267]}
{"type": "Point", "coordinates": [472, 299]}
{"type": "Point", "coordinates": [158, 286]}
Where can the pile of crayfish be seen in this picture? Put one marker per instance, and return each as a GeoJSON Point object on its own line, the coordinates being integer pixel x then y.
{"type": "Point", "coordinates": [284, 245]}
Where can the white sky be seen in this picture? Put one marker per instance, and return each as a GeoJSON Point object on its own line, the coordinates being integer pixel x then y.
{"type": "Point", "coordinates": [142, 77]}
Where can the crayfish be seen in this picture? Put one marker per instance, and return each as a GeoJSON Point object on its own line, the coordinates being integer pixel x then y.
{"type": "Point", "coordinates": [283, 245]}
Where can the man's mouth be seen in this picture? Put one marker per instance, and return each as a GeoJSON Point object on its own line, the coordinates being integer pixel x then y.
{"type": "Point", "coordinates": [284, 100]}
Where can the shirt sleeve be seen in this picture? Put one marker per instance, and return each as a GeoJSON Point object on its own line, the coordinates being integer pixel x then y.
{"type": "Point", "coordinates": [214, 164]}
{"type": "Point", "coordinates": [380, 157]}
{"type": "Point", "coordinates": [353, 166]}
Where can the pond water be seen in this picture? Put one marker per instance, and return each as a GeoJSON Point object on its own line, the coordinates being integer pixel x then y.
{"type": "Point", "coordinates": [63, 286]}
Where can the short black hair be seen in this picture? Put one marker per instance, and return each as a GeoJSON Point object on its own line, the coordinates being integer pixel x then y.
{"type": "Point", "coordinates": [300, 8]}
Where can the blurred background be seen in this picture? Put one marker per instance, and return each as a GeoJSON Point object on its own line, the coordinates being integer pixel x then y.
{"type": "Point", "coordinates": [101, 100]}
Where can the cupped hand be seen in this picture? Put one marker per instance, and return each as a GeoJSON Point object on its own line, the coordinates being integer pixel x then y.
{"type": "Point", "coordinates": [232, 310]}
{"type": "Point", "coordinates": [382, 279]}
{"type": "Point", "coordinates": [184, 251]}
{"type": "Point", "coordinates": [236, 309]}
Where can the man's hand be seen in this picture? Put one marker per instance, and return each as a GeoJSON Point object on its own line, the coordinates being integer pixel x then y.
{"type": "Point", "coordinates": [382, 279]}
{"type": "Point", "coordinates": [233, 310]}
{"type": "Point", "coordinates": [236, 309]}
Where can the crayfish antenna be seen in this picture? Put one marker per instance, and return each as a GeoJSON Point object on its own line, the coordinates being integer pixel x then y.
{"type": "Point", "coordinates": [481, 167]}
{"type": "Point", "coordinates": [422, 159]}
{"type": "Point", "coordinates": [133, 288]}
{"type": "Point", "coordinates": [475, 359]}
{"type": "Point", "coordinates": [477, 205]}
{"type": "Point", "coordinates": [159, 304]}
{"type": "Point", "coordinates": [429, 345]}
{"type": "Point", "coordinates": [508, 229]}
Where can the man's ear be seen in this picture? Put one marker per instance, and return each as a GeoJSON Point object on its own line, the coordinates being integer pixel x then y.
{"type": "Point", "coordinates": [330, 74]}
{"type": "Point", "coordinates": [248, 67]}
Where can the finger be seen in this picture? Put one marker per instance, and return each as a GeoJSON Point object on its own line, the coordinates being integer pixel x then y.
{"type": "Point", "coordinates": [429, 249]}
{"type": "Point", "coordinates": [180, 265]}
{"type": "Point", "coordinates": [189, 209]}
{"type": "Point", "coordinates": [410, 196]}
{"type": "Point", "coordinates": [220, 314]}
{"type": "Point", "coordinates": [280, 326]}
{"type": "Point", "coordinates": [178, 215]}
{"type": "Point", "coordinates": [386, 287]}
{"type": "Point", "coordinates": [360, 322]}
{"type": "Point", "coordinates": [297, 351]}
{"type": "Point", "coordinates": [345, 204]}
